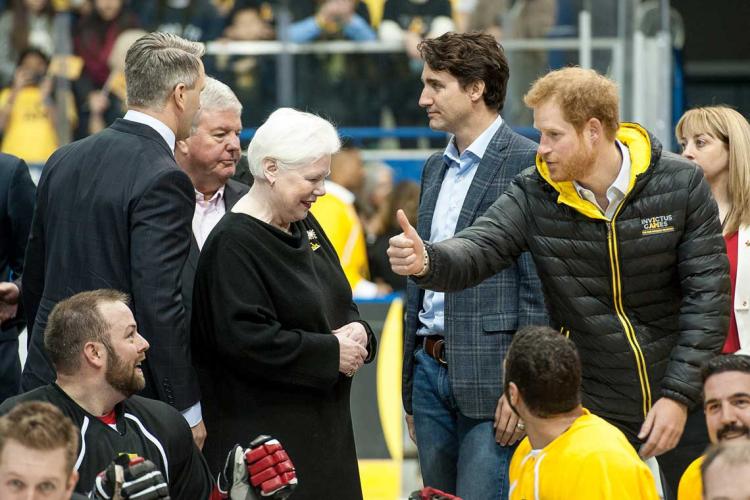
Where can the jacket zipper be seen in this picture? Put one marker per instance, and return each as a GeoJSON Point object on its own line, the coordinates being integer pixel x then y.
{"type": "Point", "coordinates": [640, 361]}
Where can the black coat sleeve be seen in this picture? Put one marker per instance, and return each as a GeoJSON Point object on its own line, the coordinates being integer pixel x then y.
{"type": "Point", "coordinates": [160, 232]}
{"type": "Point", "coordinates": [19, 210]}
{"type": "Point", "coordinates": [21, 193]}
{"type": "Point", "coordinates": [34, 260]}
{"type": "Point", "coordinates": [703, 270]}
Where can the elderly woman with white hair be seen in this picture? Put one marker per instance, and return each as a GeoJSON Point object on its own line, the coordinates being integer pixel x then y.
{"type": "Point", "coordinates": [276, 336]}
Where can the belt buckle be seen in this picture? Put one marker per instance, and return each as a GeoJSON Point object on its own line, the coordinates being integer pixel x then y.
{"type": "Point", "coordinates": [438, 351]}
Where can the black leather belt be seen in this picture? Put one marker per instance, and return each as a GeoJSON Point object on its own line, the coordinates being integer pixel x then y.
{"type": "Point", "coordinates": [434, 346]}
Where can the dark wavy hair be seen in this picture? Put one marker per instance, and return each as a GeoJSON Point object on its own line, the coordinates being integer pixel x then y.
{"type": "Point", "coordinates": [725, 363]}
{"type": "Point", "coordinates": [546, 368]}
{"type": "Point", "coordinates": [470, 57]}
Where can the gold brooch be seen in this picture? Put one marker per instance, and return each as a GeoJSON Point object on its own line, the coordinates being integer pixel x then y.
{"type": "Point", "coordinates": [314, 244]}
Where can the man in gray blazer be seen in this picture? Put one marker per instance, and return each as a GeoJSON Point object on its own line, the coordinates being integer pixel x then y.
{"type": "Point", "coordinates": [455, 343]}
{"type": "Point", "coordinates": [209, 156]}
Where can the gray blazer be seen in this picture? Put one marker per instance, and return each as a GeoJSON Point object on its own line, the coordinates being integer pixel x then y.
{"type": "Point", "coordinates": [479, 321]}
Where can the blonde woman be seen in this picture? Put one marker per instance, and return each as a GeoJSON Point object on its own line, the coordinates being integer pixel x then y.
{"type": "Point", "coordinates": [717, 138]}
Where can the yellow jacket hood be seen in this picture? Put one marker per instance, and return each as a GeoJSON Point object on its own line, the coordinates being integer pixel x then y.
{"type": "Point", "coordinates": [638, 142]}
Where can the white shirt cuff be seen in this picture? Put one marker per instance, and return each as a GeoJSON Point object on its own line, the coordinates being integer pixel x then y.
{"type": "Point", "coordinates": [193, 415]}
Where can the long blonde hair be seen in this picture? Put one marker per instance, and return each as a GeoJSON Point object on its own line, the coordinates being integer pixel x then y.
{"type": "Point", "coordinates": [731, 128]}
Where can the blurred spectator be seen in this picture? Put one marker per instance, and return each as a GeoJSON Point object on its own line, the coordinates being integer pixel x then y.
{"type": "Point", "coordinates": [343, 87]}
{"type": "Point", "coordinates": [336, 214]}
{"type": "Point", "coordinates": [377, 187]}
{"type": "Point", "coordinates": [511, 19]}
{"type": "Point", "coordinates": [252, 78]}
{"type": "Point", "coordinates": [334, 19]}
{"type": "Point", "coordinates": [27, 24]}
{"type": "Point", "coordinates": [406, 197]}
{"type": "Point", "coordinates": [481, 15]}
{"type": "Point", "coordinates": [463, 9]}
{"type": "Point", "coordinates": [94, 39]}
{"type": "Point", "coordinates": [196, 20]}
{"type": "Point", "coordinates": [410, 21]}
{"type": "Point", "coordinates": [102, 107]}
{"type": "Point", "coordinates": [250, 23]}
{"type": "Point", "coordinates": [96, 34]}
{"type": "Point", "coordinates": [27, 110]}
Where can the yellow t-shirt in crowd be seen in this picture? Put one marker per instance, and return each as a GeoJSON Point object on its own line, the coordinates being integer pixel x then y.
{"type": "Point", "coordinates": [691, 482]}
{"type": "Point", "coordinates": [29, 132]}
{"type": "Point", "coordinates": [341, 223]}
{"type": "Point", "coordinates": [590, 460]}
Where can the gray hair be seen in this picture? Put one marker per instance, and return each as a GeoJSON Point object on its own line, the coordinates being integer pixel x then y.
{"type": "Point", "coordinates": [216, 96]}
{"type": "Point", "coordinates": [156, 63]}
{"type": "Point", "coordinates": [293, 139]}
{"type": "Point", "coordinates": [731, 454]}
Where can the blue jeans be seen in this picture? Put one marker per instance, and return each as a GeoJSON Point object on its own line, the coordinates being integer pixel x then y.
{"type": "Point", "coordinates": [457, 454]}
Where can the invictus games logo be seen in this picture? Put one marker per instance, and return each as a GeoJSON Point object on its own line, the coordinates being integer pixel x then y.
{"type": "Point", "coordinates": [657, 225]}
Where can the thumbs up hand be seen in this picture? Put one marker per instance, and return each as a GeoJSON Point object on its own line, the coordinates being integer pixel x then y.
{"type": "Point", "coordinates": [406, 250]}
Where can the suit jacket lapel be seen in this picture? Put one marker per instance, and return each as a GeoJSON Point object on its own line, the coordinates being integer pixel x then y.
{"type": "Point", "coordinates": [194, 253]}
{"type": "Point", "coordinates": [492, 161]}
{"type": "Point", "coordinates": [434, 173]}
{"type": "Point", "coordinates": [233, 191]}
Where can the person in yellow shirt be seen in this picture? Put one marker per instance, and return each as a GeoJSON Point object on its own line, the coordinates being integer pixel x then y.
{"type": "Point", "coordinates": [337, 216]}
{"type": "Point", "coordinates": [567, 452]}
{"type": "Point", "coordinates": [27, 110]}
{"type": "Point", "coordinates": [726, 396]}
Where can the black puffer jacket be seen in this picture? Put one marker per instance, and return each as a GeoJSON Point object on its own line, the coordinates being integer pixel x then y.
{"type": "Point", "coordinates": [645, 296]}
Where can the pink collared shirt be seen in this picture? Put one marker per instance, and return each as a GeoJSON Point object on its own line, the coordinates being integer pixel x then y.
{"type": "Point", "coordinates": [207, 214]}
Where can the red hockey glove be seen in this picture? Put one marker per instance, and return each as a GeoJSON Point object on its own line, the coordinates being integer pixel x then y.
{"type": "Point", "coordinates": [432, 494]}
{"type": "Point", "coordinates": [263, 471]}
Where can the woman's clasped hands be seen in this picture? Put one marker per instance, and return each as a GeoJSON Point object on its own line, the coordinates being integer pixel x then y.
{"type": "Point", "coordinates": [352, 339]}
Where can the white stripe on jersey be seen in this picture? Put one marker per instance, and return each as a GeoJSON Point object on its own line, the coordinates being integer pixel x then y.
{"type": "Point", "coordinates": [156, 442]}
{"type": "Point", "coordinates": [84, 428]}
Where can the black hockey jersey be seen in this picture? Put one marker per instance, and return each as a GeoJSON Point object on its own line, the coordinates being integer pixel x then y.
{"type": "Point", "coordinates": [144, 427]}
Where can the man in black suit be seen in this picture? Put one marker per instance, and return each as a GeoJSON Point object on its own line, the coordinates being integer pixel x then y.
{"type": "Point", "coordinates": [16, 206]}
{"type": "Point", "coordinates": [209, 157]}
{"type": "Point", "coordinates": [114, 211]}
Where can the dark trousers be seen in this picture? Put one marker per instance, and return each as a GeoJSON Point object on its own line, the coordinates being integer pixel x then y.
{"type": "Point", "coordinates": [672, 464]}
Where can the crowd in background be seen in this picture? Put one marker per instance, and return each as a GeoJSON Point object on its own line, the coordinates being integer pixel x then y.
{"type": "Point", "coordinates": [48, 99]}
{"type": "Point", "coordinates": [357, 216]}
{"type": "Point", "coordinates": [47, 92]}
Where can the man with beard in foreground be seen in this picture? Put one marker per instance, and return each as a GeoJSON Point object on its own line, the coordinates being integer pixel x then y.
{"type": "Point", "coordinates": [726, 396]}
{"type": "Point", "coordinates": [94, 344]}
{"type": "Point", "coordinates": [627, 243]}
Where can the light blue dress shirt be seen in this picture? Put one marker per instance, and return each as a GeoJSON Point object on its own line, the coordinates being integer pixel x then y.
{"type": "Point", "coordinates": [456, 183]}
